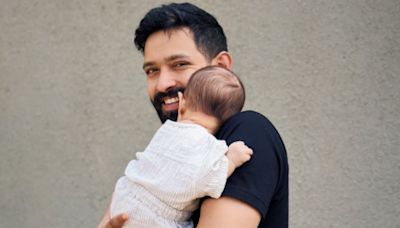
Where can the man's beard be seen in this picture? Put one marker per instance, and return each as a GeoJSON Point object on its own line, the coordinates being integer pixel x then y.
{"type": "Point", "coordinates": [159, 101]}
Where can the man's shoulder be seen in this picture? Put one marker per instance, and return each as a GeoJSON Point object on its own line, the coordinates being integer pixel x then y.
{"type": "Point", "coordinates": [250, 116]}
{"type": "Point", "coordinates": [247, 121]}
{"type": "Point", "coordinates": [264, 178]}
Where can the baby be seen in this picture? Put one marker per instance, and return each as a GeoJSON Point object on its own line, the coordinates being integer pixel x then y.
{"type": "Point", "coordinates": [184, 161]}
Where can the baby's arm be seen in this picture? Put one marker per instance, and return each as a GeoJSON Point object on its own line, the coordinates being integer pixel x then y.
{"type": "Point", "coordinates": [238, 153]}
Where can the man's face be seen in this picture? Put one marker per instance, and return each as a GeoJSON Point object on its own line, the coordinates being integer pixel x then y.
{"type": "Point", "coordinates": [170, 58]}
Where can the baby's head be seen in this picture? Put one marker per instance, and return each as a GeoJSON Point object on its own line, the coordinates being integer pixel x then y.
{"type": "Point", "coordinates": [214, 91]}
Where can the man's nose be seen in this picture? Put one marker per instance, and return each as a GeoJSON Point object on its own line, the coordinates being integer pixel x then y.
{"type": "Point", "coordinates": [166, 81]}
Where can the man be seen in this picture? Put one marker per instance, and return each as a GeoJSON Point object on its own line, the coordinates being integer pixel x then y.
{"type": "Point", "coordinates": [176, 40]}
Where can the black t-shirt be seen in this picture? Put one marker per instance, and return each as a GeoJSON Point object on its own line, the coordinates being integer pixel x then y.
{"type": "Point", "coordinates": [262, 182]}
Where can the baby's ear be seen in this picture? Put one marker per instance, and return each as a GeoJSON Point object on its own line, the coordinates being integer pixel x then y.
{"type": "Point", "coordinates": [181, 107]}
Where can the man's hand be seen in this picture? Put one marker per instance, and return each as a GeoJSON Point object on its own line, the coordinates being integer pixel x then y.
{"type": "Point", "coordinates": [115, 222]}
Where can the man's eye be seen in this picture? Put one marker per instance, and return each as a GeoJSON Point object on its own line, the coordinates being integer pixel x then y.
{"type": "Point", "coordinates": [150, 71]}
{"type": "Point", "coordinates": [180, 64]}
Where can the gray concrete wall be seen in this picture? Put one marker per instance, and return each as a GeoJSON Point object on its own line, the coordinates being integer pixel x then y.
{"type": "Point", "coordinates": [74, 109]}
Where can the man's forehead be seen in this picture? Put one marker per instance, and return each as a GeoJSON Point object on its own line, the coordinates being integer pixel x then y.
{"type": "Point", "coordinates": [169, 35]}
{"type": "Point", "coordinates": [183, 30]}
{"type": "Point", "coordinates": [170, 39]}
{"type": "Point", "coordinates": [168, 45]}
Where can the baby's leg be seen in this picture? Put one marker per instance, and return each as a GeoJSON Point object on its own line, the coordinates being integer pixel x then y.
{"type": "Point", "coordinates": [127, 200]}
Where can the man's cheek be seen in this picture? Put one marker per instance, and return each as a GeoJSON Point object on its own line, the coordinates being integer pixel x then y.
{"type": "Point", "coordinates": [151, 91]}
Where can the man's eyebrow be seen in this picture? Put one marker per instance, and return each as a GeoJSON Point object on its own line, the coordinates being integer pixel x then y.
{"type": "Point", "coordinates": [168, 59]}
{"type": "Point", "coordinates": [174, 57]}
{"type": "Point", "coordinates": [146, 64]}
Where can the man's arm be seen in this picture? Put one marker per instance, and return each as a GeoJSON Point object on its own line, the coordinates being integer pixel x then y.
{"type": "Point", "coordinates": [223, 212]}
{"type": "Point", "coordinates": [227, 212]}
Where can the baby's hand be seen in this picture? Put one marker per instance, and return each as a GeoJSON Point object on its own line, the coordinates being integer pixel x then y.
{"type": "Point", "coordinates": [239, 153]}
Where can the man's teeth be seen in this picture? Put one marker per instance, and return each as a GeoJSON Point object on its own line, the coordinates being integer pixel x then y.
{"type": "Point", "coordinates": [171, 100]}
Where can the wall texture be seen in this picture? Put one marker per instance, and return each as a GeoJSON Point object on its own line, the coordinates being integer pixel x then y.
{"type": "Point", "coordinates": [74, 109]}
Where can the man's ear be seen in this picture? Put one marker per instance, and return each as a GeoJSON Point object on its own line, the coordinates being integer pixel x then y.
{"type": "Point", "coordinates": [223, 59]}
{"type": "Point", "coordinates": [181, 107]}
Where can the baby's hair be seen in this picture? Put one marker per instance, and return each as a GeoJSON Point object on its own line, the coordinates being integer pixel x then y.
{"type": "Point", "coordinates": [215, 91]}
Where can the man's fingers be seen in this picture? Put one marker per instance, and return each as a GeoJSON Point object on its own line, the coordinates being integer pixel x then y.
{"type": "Point", "coordinates": [117, 221]}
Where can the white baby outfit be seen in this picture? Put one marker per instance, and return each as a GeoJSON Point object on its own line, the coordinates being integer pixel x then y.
{"type": "Point", "coordinates": [161, 188]}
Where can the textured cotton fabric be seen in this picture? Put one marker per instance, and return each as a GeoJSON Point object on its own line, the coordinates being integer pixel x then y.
{"type": "Point", "coordinates": [182, 163]}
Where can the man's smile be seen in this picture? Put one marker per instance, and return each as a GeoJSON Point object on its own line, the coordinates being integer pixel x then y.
{"type": "Point", "coordinates": [170, 103]}
{"type": "Point", "coordinates": [170, 100]}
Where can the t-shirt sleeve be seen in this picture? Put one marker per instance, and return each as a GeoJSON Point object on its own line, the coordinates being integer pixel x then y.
{"type": "Point", "coordinates": [257, 181]}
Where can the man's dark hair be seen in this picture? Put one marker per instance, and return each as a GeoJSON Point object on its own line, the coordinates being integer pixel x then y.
{"type": "Point", "coordinates": [208, 35]}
